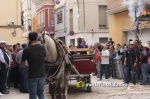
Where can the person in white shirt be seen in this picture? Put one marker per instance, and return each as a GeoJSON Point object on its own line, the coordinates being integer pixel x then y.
{"type": "Point", "coordinates": [104, 62]}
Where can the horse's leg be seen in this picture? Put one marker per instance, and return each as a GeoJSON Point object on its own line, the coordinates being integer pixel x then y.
{"type": "Point", "coordinates": [52, 95]}
{"type": "Point", "coordinates": [66, 85]}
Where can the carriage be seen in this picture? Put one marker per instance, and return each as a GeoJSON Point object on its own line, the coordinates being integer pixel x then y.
{"type": "Point", "coordinates": [84, 66]}
{"type": "Point", "coordinates": [59, 65]}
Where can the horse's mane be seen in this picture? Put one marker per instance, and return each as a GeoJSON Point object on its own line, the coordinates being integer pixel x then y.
{"type": "Point", "coordinates": [51, 55]}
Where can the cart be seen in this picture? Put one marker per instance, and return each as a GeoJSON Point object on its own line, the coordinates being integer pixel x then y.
{"type": "Point", "coordinates": [84, 66]}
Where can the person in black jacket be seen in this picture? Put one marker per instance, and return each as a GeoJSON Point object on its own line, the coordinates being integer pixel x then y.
{"type": "Point", "coordinates": [131, 62]}
{"type": "Point", "coordinates": [4, 63]}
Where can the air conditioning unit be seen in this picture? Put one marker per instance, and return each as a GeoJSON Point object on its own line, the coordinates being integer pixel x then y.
{"type": "Point", "coordinates": [10, 23]}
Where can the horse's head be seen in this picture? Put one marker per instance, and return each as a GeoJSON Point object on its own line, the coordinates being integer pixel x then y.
{"type": "Point", "coordinates": [41, 38]}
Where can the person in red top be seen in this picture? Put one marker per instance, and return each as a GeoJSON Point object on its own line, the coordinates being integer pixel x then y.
{"type": "Point", "coordinates": [97, 58]}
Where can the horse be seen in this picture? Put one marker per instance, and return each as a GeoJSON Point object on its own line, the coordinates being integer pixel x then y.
{"type": "Point", "coordinates": [57, 66]}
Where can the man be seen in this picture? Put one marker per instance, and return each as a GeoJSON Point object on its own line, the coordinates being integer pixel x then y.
{"type": "Point", "coordinates": [112, 55]}
{"type": "Point", "coordinates": [15, 67]}
{"type": "Point", "coordinates": [111, 42]}
{"type": "Point", "coordinates": [23, 71]}
{"type": "Point", "coordinates": [5, 64]}
{"type": "Point", "coordinates": [145, 67]}
{"type": "Point", "coordinates": [8, 72]}
{"type": "Point", "coordinates": [104, 62]}
{"type": "Point", "coordinates": [35, 54]}
{"type": "Point", "coordinates": [130, 63]}
{"type": "Point", "coordinates": [119, 61]}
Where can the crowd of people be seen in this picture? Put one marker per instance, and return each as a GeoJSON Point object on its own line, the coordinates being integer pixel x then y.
{"type": "Point", "coordinates": [22, 67]}
{"type": "Point", "coordinates": [18, 63]}
{"type": "Point", "coordinates": [9, 67]}
{"type": "Point", "coordinates": [128, 62]}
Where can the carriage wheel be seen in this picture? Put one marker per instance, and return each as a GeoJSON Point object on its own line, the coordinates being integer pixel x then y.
{"type": "Point", "coordinates": [88, 80]}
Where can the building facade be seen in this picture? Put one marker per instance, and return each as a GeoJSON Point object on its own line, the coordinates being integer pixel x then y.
{"type": "Point", "coordinates": [10, 22]}
{"type": "Point", "coordinates": [121, 27]}
{"type": "Point", "coordinates": [44, 15]}
{"type": "Point", "coordinates": [82, 18]}
{"type": "Point", "coordinates": [28, 13]}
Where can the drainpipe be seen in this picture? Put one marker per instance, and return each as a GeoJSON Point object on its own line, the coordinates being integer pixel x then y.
{"type": "Point", "coordinates": [84, 12]}
{"type": "Point", "coordinates": [65, 29]}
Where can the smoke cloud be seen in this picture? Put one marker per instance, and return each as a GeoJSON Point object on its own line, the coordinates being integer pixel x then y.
{"type": "Point", "coordinates": [135, 5]}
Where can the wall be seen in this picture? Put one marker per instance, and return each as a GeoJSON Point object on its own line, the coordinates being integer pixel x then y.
{"type": "Point", "coordinates": [118, 22]}
{"type": "Point", "coordinates": [11, 10]}
{"type": "Point", "coordinates": [89, 38]}
{"type": "Point", "coordinates": [60, 28]}
{"type": "Point", "coordinates": [88, 20]}
{"type": "Point", "coordinates": [114, 4]}
{"type": "Point", "coordinates": [144, 35]}
{"type": "Point", "coordinates": [90, 11]}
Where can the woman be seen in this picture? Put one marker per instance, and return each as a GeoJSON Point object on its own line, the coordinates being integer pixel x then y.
{"type": "Point", "coordinates": [80, 45]}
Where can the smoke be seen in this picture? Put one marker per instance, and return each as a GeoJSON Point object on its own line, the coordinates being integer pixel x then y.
{"type": "Point", "coordinates": [141, 7]}
{"type": "Point", "coordinates": [135, 5]}
{"type": "Point", "coordinates": [131, 9]}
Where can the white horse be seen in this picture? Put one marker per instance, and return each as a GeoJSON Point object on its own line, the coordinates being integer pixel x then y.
{"type": "Point", "coordinates": [56, 58]}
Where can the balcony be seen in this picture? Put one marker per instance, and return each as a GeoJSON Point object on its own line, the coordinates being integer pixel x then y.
{"type": "Point", "coordinates": [115, 6]}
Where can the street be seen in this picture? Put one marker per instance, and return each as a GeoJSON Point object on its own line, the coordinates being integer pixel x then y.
{"type": "Point", "coordinates": [125, 92]}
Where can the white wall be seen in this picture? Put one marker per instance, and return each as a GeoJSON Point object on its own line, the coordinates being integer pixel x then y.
{"type": "Point", "coordinates": [144, 37]}
{"type": "Point", "coordinates": [89, 38]}
{"type": "Point", "coordinates": [60, 28]}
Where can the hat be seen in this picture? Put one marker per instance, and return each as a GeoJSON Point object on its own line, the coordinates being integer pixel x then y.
{"type": "Point", "coordinates": [2, 42]}
{"type": "Point", "coordinates": [146, 45]}
{"type": "Point", "coordinates": [132, 42]}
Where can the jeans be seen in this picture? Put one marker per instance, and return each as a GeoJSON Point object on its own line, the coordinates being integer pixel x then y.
{"type": "Point", "coordinates": [23, 77]}
{"type": "Point", "coordinates": [36, 88]}
{"type": "Point", "coordinates": [145, 73]}
{"type": "Point", "coordinates": [6, 86]}
{"type": "Point", "coordinates": [3, 77]}
{"type": "Point", "coordinates": [104, 67]}
{"type": "Point", "coordinates": [127, 71]}
{"type": "Point", "coordinates": [16, 76]}
{"type": "Point", "coordinates": [120, 70]}
{"type": "Point", "coordinates": [98, 67]}
{"type": "Point", "coordinates": [112, 69]}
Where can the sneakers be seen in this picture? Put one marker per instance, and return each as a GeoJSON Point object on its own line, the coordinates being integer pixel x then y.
{"type": "Point", "coordinates": [142, 83]}
{"type": "Point", "coordinates": [99, 79]}
{"type": "Point", "coordinates": [4, 92]}
{"type": "Point", "coordinates": [1, 94]}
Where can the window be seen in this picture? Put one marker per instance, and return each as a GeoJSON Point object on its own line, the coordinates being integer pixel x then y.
{"type": "Point", "coordinates": [22, 22]}
{"type": "Point", "coordinates": [50, 16]}
{"type": "Point", "coordinates": [103, 40]}
{"type": "Point", "coordinates": [25, 7]}
{"type": "Point", "coordinates": [72, 42]}
{"type": "Point", "coordinates": [29, 4]}
{"type": "Point", "coordinates": [25, 29]}
{"type": "Point", "coordinates": [29, 25]}
{"type": "Point", "coordinates": [42, 18]}
{"type": "Point", "coordinates": [102, 17]}
{"type": "Point", "coordinates": [71, 19]}
{"type": "Point", "coordinates": [59, 17]}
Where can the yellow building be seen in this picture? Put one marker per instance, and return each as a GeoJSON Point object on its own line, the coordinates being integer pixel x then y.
{"type": "Point", "coordinates": [10, 21]}
{"type": "Point", "coordinates": [121, 28]}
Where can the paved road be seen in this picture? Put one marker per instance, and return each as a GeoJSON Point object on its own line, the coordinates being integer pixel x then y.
{"type": "Point", "coordinates": [127, 92]}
